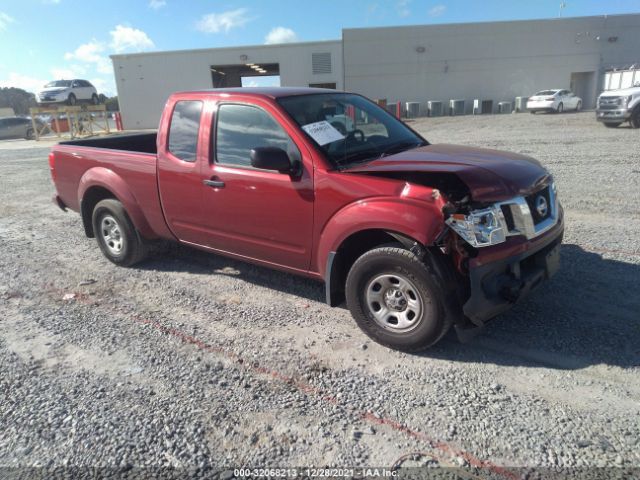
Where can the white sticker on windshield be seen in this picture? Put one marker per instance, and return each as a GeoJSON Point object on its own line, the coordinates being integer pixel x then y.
{"type": "Point", "coordinates": [322, 132]}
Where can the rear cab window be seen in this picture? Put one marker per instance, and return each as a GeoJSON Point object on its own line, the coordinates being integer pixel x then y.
{"type": "Point", "coordinates": [184, 129]}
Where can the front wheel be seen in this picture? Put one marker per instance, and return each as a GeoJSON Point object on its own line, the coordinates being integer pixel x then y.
{"type": "Point", "coordinates": [635, 118]}
{"type": "Point", "coordinates": [560, 108]}
{"type": "Point", "coordinates": [612, 124]}
{"type": "Point", "coordinates": [579, 106]}
{"type": "Point", "coordinates": [396, 300]}
{"type": "Point", "coordinates": [117, 237]}
{"type": "Point", "coordinates": [30, 135]}
{"type": "Point", "coordinates": [71, 99]}
{"type": "Point", "coordinates": [94, 99]}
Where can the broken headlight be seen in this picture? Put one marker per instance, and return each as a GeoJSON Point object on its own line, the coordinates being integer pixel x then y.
{"type": "Point", "coordinates": [480, 228]}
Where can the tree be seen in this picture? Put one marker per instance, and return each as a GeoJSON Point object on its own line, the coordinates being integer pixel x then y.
{"type": "Point", "coordinates": [112, 104]}
{"type": "Point", "coordinates": [18, 99]}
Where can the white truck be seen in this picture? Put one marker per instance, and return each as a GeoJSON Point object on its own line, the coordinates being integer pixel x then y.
{"type": "Point", "coordinates": [618, 106]}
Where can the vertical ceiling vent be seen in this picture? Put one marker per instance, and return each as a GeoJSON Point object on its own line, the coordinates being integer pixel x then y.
{"type": "Point", "coordinates": [321, 62]}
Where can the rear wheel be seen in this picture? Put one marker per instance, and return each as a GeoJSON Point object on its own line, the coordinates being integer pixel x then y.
{"type": "Point", "coordinates": [560, 108]}
{"type": "Point", "coordinates": [94, 99]}
{"type": "Point", "coordinates": [396, 300]}
{"type": "Point", "coordinates": [612, 125]}
{"type": "Point", "coordinates": [117, 237]}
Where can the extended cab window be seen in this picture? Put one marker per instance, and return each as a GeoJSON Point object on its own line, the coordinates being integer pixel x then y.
{"type": "Point", "coordinates": [183, 130]}
{"type": "Point", "coordinates": [243, 127]}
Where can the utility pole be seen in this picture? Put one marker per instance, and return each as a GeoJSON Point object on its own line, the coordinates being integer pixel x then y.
{"type": "Point", "coordinates": [563, 5]}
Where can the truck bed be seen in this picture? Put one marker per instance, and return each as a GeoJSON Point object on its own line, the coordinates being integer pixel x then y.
{"type": "Point", "coordinates": [131, 142]}
{"type": "Point", "coordinates": [123, 164]}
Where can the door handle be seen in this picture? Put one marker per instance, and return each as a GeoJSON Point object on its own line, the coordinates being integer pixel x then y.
{"type": "Point", "coordinates": [214, 183]}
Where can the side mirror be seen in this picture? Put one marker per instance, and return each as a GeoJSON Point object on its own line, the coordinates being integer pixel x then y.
{"type": "Point", "coordinates": [271, 158]}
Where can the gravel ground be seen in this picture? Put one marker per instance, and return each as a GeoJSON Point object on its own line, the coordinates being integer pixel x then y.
{"type": "Point", "coordinates": [195, 361]}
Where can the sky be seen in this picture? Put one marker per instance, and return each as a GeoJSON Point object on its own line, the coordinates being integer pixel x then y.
{"type": "Point", "coordinates": [43, 40]}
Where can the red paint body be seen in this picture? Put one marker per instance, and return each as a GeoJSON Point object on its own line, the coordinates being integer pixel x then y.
{"type": "Point", "coordinates": [274, 219]}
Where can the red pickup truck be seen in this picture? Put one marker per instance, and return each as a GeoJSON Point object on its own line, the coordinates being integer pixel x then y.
{"type": "Point", "coordinates": [415, 237]}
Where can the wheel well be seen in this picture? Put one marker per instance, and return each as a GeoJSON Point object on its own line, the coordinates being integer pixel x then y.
{"type": "Point", "coordinates": [89, 201]}
{"type": "Point", "coordinates": [348, 252]}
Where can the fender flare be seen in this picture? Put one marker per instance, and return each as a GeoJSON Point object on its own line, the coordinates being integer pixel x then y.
{"type": "Point", "coordinates": [419, 220]}
{"type": "Point", "coordinates": [418, 226]}
{"type": "Point", "coordinates": [109, 180]}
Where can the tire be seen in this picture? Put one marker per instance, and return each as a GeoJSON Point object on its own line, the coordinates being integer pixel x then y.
{"type": "Point", "coordinates": [418, 312]}
{"type": "Point", "coordinates": [579, 106]}
{"type": "Point", "coordinates": [634, 121]}
{"type": "Point", "coordinates": [560, 108]}
{"type": "Point", "coordinates": [612, 125]}
{"type": "Point", "coordinates": [532, 112]}
{"type": "Point", "coordinates": [117, 237]}
{"type": "Point", "coordinates": [30, 135]}
{"type": "Point", "coordinates": [94, 99]}
{"type": "Point", "coordinates": [71, 99]}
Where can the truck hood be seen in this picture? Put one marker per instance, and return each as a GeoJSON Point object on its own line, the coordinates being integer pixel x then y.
{"type": "Point", "coordinates": [621, 93]}
{"type": "Point", "coordinates": [490, 175]}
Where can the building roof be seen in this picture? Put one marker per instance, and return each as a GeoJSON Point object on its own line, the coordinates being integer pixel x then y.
{"type": "Point", "coordinates": [238, 48]}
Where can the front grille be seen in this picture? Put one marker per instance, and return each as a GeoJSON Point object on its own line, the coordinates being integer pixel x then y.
{"type": "Point", "coordinates": [527, 215]}
{"type": "Point", "coordinates": [609, 103]}
{"type": "Point", "coordinates": [540, 205]}
{"type": "Point", "coordinates": [508, 217]}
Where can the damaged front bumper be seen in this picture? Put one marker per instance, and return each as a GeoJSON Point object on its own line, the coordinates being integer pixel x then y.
{"type": "Point", "coordinates": [498, 281]}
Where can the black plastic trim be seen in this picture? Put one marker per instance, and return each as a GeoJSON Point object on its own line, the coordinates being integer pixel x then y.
{"type": "Point", "coordinates": [497, 286]}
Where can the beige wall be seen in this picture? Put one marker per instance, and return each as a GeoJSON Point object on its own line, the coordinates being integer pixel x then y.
{"type": "Point", "coordinates": [145, 81]}
{"type": "Point", "coordinates": [495, 60]}
{"type": "Point", "coordinates": [498, 60]}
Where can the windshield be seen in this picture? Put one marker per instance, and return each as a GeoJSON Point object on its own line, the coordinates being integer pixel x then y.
{"type": "Point", "coordinates": [58, 83]}
{"type": "Point", "coordinates": [547, 92]}
{"type": "Point", "coordinates": [349, 128]}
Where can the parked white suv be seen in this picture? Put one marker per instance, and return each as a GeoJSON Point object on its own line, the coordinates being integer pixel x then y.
{"type": "Point", "coordinates": [556, 100]}
{"type": "Point", "coordinates": [618, 106]}
{"type": "Point", "coordinates": [70, 92]}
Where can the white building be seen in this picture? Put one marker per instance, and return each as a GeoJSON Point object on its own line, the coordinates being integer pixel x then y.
{"type": "Point", "coordinates": [492, 60]}
{"type": "Point", "coordinates": [145, 80]}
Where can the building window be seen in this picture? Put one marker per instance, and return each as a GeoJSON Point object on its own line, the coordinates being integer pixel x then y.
{"type": "Point", "coordinates": [323, 85]}
{"type": "Point", "coordinates": [243, 127]}
{"type": "Point", "coordinates": [321, 63]}
{"type": "Point", "coordinates": [183, 131]}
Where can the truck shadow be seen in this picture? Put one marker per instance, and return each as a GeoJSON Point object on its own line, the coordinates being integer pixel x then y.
{"type": "Point", "coordinates": [588, 314]}
{"type": "Point", "coordinates": [181, 258]}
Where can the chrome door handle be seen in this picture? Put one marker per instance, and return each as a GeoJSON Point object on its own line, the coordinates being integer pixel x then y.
{"type": "Point", "coordinates": [214, 183]}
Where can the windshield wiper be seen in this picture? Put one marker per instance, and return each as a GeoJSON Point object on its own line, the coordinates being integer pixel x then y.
{"type": "Point", "coordinates": [357, 156]}
{"type": "Point", "coordinates": [400, 147]}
